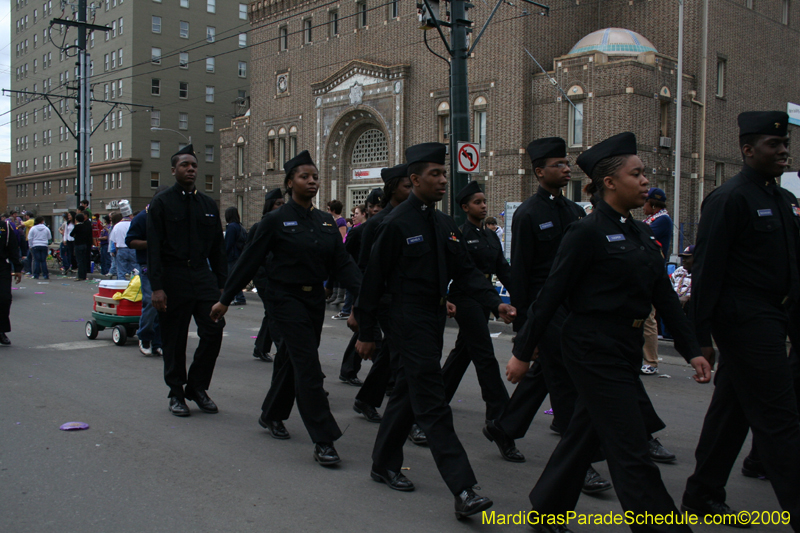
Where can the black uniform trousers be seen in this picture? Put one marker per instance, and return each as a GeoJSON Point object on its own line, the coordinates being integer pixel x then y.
{"type": "Point", "coordinates": [418, 395]}
{"type": "Point", "coordinates": [351, 361]}
{"type": "Point", "coordinates": [604, 357]}
{"type": "Point", "coordinates": [297, 373]}
{"type": "Point", "coordinates": [753, 390]}
{"type": "Point", "coordinates": [191, 292]}
{"type": "Point", "coordinates": [5, 297]}
{"type": "Point", "coordinates": [373, 390]}
{"type": "Point", "coordinates": [264, 339]}
{"type": "Point", "coordinates": [474, 343]}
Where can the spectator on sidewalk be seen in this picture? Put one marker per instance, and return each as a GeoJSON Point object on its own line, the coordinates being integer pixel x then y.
{"type": "Point", "coordinates": [682, 277]}
{"type": "Point", "coordinates": [38, 238]}
{"type": "Point", "coordinates": [82, 233]}
{"type": "Point", "coordinates": [125, 257]}
{"type": "Point", "coordinates": [660, 222]}
{"type": "Point", "coordinates": [67, 242]}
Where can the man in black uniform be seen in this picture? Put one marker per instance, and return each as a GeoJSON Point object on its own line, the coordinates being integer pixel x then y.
{"type": "Point", "coordinates": [184, 239]}
{"type": "Point", "coordinates": [474, 341]}
{"type": "Point", "coordinates": [744, 277]}
{"type": "Point", "coordinates": [9, 257]}
{"type": "Point", "coordinates": [419, 251]}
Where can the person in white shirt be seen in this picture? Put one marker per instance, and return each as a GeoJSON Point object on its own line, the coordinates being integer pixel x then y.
{"type": "Point", "coordinates": [67, 241]}
{"type": "Point", "coordinates": [682, 277]}
{"type": "Point", "coordinates": [125, 257]}
{"type": "Point", "coordinates": [39, 237]}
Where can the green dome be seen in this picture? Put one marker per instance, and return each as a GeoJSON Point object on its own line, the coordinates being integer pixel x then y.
{"type": "Point", "coordinates": [614, 42]}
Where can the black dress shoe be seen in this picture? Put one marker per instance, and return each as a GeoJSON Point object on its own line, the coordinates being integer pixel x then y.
{"type": "Point", "coordinates": [258, 354]}
{"type": "Point", "coordinates": [712, 508]}
{"type": "Point", "coordinates": [505, 444]}
{"type": "Point", "coordinates": [755, 469]}
{"type": "Point", "coordinates": [417, 436]}
{"type": "Point", "coordinates": [369, 412]}
{"type": "Point", "coordinates": [325, 454]}
{"type": "Point", "coordinates": [594, 482]}
{"type": "Point", "coordinates": [547, 528]}
{"type": "Point", "coordinates": [468, 503]}
{"type": "Point", "coordinates": [554, 429]}
{"type": "Point", "coordinates": [4, 339]}
{"type": "Point", "coordinates": [658, 453]}
{"type": "Point", "coordinates": [177, 406]}
{"type": "Point", "coordinates": [275, 428]}
{"type": "Point", "coordinates": [395, 480]}
{"type": "Point", "coordinates": [355, 382]}
{"type": "Point", "coordinates": [202, 400]}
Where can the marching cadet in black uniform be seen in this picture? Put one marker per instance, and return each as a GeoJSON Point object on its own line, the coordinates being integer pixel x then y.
{"type": "Point", "coordinates": [474, 341]}
{"type": "Point", "coordinates": [744, 278]}
{"type": "Point", "coordinates": [609, 269]}
{"type": "Point", "coordinates": [272, 200]}
{"type": "Point", "coordinates": [9, 258]}
{"type": "Point", "coordinates": [306, 248]}
{"type": "Point", "coordinates": [419, 251]}
{"type": "Point", "coordinates": [184, 238]}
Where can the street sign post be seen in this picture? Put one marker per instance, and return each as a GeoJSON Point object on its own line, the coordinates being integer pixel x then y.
{"type": "Point", "coordinates": [469, 158]}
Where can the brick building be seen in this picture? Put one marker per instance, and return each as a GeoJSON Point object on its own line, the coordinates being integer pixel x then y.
{"type": "Point", "coordinates": [353, 83]}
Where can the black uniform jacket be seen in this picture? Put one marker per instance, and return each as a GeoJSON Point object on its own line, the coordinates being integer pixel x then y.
{"type": "Point", "coordinates": [9, 246]}
{"type": "Point", "coordinates": [405, 262]}
{"type": "Point", "coordinates": [306, 247]}
{"type": "Point", "coordinates": [536, 232]}
{"type": "Point", "coordinates": [608, 267]}
{"type": "Point", "coordinates": [487, 254]}
{"type": "Point", "coordinates": [372, 228]}
{"type": "Point", "coordinates": [747, 244]}
{"type": "Point", "coordinates": [184, 229]}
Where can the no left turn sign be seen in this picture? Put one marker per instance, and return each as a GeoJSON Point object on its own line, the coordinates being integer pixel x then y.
{"type": "Point", "coordinates": [469, 157]}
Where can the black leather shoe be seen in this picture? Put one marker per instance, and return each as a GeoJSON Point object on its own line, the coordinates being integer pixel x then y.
{"type": "Point", "coordinates": [505, 444]}
{"type": "Point", "coordinates": [325, 454]}
{"type": "Point", "coordinates": [594, 482]}
{"type": "Point", "coordinates": [178, 407]}
{"type": "Point", "coordinates": [395, 480]}
{"type": "Point", "coordinates": [258, 354]}
{"type": "Point", "coordinates": [658, 453]}
{"type": "Point", "coordinates": [417, 436]}
{"type": "Point", "coordinates": [468, 503]}
{"type": "Point", "coordinates": [554, 429]}
{"type": "Point", "coordinates": [369, 412]}
{"type": "Point", "coordinates": [755, 469]}
{"type": "Point", "coordinates": [546, 528]}
{"type": "Point", "coordinates": [712, 508]}
{"type": "Point", "coordinates": [355, 382]}
{"type": "Point", "coordinates": [4, 339]}
{"type": "Point", "coordinates": [275, 428]}
{"type": "Point", "coordinates": [202, 400]}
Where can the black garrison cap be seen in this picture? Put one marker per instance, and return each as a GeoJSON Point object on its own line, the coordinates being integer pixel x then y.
{"type": "Point", "coordinates": [547, 147]}
{"type": "Point", "coordinates": [397, 171]}
{"type": "Point", "coordinates": [375, 196]}
{"type": "Point", "coordinates": [426, 153]}
{"type": "Point", "coordinates": [303, 158]}
{"type": "Point", "coordinates": [764, 123]}
{"type": "Point", "coordinates": [464, 194]}
{"type": "Point", "coordinates": [188, 149]}
{"type": "Point", "coordinates": [619, 144]}
{"type": "Point", "coordinates": [274, 194]}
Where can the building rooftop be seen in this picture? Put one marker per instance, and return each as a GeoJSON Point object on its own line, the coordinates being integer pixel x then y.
{"type": "Point", "coordinates": [614, 42]}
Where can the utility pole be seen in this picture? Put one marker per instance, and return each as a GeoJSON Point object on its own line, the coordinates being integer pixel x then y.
{"type": "Point", "coordinates": [678, 122]}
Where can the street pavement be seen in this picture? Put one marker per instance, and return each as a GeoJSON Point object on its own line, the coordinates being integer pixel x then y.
{"type": "Point", "coordinates": [140, 469]}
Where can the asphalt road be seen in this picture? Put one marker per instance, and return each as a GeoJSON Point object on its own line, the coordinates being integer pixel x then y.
{"type": "Point", "coordinates": [140, 469]}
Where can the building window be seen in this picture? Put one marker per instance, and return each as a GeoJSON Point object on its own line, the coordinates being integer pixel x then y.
{"type": "Point", "coordinates": [183, 60]}
{"type": "Point", "coordinates": [361, 17]}
{"type": "Point", "coordinates": [155, 180]}
{"type": "Point", "coordinates": [283, 38]}
{"type": "Point", "coordinates": [394, 11]}
{"type": "Point", "coordinates": [185, 3]}
{"type": "Point", "coordinates": [155, 55]}
{"type": "Point", "coordinates": [479, 122]}
{"type": "Point", "coordinates": [371, 148]}
{"type": "Point", "coordinates": [120, 25]}
{"type": "Point", "coordinates": [281, 152]}
{"type": "Point", "coordinates": [209, 64]}
{"type": "Point", "coordinates": [242, 69]}
{"type": "Point", "coordinates": [784, 13]}
{"type": "Point", "coordinates": [243, 11]}
{"type": "Point", "coordinates": [209, 153]}
{"type": "Point", "coordinates": [155, 149]}
{"type": "Point", "coordinates": [209, 183]}
{"type": "Point", "coordinates": [209, 123]}
{"type": "Point", "coordinates": [183, 89]}
{"type": "Point", "coordinates": [155, 87]}
{"type": "Point", "coordinates": [183, 121]}
{"type": "Point", "coordinates": [333, 23]}
{"type": "Point", "coordinates": [242, 40]}
{"type": "Point", "coordinates": [721, 68]}
{"type": "Point", "coordinates": [155, 24]}
{"type": "Point", "coordinates": [211, 6]}
{"type": "Point", "coordinates": [240, 160]}
{"type": "Point", "coordinates": [719, 173]}
{"type": "Point", "coordinates": [748, 4]}
{"type": "Point", "coordinates": [211, 34]}
{"type": "Point", "coordinates": [307, 31]}
{"type": "Point", "coordinates": [443, 113]}
{"type": "Point", "coordinates": [576, 124]}
{"type": "Point", "coordinates": [184, 29]}
{"type": "Point", "coordinates": [209, 94]}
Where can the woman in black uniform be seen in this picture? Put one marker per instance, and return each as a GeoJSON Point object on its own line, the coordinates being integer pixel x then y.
{"type": "Point", "coordinates": [306, 249]}
{"type": "Point", "coordinates": [609, 270]}
{"type": "Point", "coordinates": [272, 200]}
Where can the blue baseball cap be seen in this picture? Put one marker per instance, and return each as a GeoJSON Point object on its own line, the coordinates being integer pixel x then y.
{"type": "Point", "coordinates": [688, 252]}
{"type": "Point", "coordinates": [656, 194]}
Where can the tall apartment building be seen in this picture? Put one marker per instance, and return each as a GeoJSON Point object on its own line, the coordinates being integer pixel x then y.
{"type": "Point", "coordinates": [187, 59]}
{"type": "Point", "coordinates": [353, 82]}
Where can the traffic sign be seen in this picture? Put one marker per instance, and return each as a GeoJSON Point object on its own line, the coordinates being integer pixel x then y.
{"type": "Point", "coordinates": [469, 158]}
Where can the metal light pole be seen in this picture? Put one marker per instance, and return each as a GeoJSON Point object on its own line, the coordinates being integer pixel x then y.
{"type": "Point", "coordinates": [84, 126]}
{"type": "Point", "coordinates": [678, 121]}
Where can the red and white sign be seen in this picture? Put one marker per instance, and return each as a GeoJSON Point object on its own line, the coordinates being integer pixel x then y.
{"type": "Point", "coordinates": [366, 173]}
{"type": "Point", "coordinates": [469, 158]}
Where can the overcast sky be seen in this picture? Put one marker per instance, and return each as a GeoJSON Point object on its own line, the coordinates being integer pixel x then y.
{"type": "Point", "coordinates": [5, 79]}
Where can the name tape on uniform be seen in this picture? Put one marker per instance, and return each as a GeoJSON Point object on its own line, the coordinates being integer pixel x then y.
{"type": "Point", "coordinates": [615, 238]}
{"type": "Point", "coordinates": [764, 212]}
{"type": "Point", "coordinates": [290, 223]}
{"type": "Point", "coordinates": [414, 240]}
{"type": "Point", "coordinates": [546, 225]}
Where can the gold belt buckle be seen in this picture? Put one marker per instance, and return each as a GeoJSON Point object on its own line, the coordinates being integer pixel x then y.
{"type": "Point", "coordinates": [307, 288]}
{"type": "Point", "coordinates": [442, 301]}
{"type": "Point", "coordinates": [488, 276]}
{"type": "Point", "coordinates": [638, 323]}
